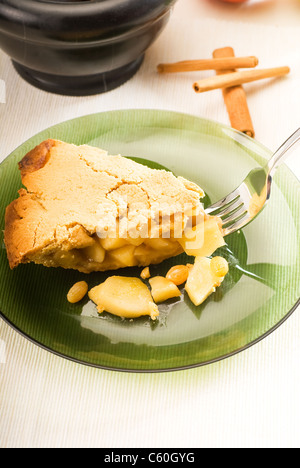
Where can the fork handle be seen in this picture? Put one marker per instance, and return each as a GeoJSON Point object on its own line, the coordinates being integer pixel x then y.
{"type": "Point", "coordinates": [282, 153]}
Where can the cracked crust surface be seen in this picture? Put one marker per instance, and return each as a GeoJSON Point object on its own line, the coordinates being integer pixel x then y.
{"type": "Point", "coordinates": [69, 187]}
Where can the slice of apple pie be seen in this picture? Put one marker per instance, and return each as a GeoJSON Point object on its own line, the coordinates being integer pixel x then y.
{"type": "Point", "coordinates": [86, 210]}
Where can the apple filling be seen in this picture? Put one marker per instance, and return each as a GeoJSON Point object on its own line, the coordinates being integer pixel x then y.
{"type": "Point", "coordinates": [201, 279]}
{"type": "Point", "coordinates": [95, 254]}
{"type": "Point", "coordinates": [111, 254]}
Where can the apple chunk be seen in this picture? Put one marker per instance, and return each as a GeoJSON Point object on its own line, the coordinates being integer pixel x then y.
{"type": "Point", "coordinates": [204, 239]}
{"type": "Point", "coordinates": [205, 276]}
{"type": "Point", "coordinates": [95, 252]}
{"type": "Point", "coordinates": [124, 297]}
{"type": "Point", "coordinates": [163, 289]}
{"type": "Point", "coordinates": [124, 256]}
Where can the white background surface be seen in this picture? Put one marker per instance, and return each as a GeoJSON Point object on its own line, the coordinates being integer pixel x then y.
{"type": "Point", "coordinates": [249, 400]}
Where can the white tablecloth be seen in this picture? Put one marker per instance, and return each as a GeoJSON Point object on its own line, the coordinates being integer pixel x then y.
{"type": "Point", "coordinates": [248, 400]}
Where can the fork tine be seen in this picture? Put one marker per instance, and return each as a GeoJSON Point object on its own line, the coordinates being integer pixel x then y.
{"type": "Point", "coordinates": [238, 216]}
{"type": "Point", "coordinates": [239, 224]}
{"type": "Point", "coordinates": [222, 204]}
{"type": "Point", "coordinates": [231, 209]}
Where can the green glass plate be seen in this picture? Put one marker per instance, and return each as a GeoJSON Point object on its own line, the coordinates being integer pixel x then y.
{"type": "Point", "coordinates": [260, 292]}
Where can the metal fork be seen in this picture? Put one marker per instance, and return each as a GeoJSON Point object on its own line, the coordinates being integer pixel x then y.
{"type": "Point", "coordinates": [242, 205]}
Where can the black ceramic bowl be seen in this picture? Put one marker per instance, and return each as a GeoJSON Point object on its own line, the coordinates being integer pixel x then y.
{"type": "Point", "coordinates": [80, 47]}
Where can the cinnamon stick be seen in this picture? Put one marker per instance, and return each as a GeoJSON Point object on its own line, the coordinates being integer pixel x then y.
{"type": "Point", "coordinates": [236, 100]}
{"type": "Point", "coordinates": [218, 63]}
{"type": "Point", "coordinates": [238, 78]}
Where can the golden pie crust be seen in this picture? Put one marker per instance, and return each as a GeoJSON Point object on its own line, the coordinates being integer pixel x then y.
{"type": "Point", "coordinates": [70, 189]}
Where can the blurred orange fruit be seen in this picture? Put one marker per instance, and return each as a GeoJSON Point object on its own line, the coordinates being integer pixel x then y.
{"type": "Point", "coordinates": [234, 1]}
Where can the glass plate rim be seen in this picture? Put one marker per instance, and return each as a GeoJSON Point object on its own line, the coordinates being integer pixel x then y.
{"type": "Point", "coordinates": [153, 371]}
